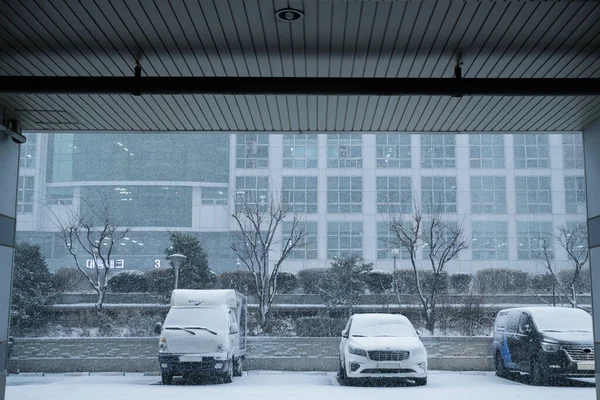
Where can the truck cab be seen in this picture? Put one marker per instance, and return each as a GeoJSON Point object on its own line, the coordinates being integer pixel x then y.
{"type": "Point", "coordinates": [203, 335]}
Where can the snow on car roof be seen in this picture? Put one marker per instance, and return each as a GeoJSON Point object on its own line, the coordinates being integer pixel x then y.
{"type": "Point", "coordinates": [367, 317]}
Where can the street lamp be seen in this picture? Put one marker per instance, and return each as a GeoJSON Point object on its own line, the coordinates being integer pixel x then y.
{"type": "Point", "coordinates": [395, 255]}
{"type": "Point", "coordinates": [177, 259]}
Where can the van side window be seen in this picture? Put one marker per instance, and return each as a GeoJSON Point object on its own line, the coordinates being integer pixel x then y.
{"type": "Point", "coordinates": [347, 329]}
{"type": "Point", "coordinates": [500, 325]}
{"type": "Point", "coordinates": [512, 321]}
{"type": "Point", "coordinates": [523, 322]}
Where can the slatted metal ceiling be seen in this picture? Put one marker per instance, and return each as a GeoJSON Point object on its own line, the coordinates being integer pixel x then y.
{"type": "Point", "coordinates": [335, 39]}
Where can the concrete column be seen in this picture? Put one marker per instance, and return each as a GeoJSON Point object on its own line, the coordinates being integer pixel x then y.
{"type": "Point", "coordinates": [591, 148]}
{"type": "Point", "coordinates": [9, 173]}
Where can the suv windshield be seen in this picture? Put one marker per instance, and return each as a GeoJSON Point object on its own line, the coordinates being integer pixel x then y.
{"type": "Point", "coordinates": [382, 328]}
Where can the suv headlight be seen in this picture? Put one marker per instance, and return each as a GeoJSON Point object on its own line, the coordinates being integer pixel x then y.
{"type": "Point", "coordinates": [162, 346]}
{"type": "Point", "coordinates": [357, 351]}
{"type": "Point", "coordinates": [550, 347]}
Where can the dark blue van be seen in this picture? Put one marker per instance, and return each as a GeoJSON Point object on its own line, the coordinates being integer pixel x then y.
{"type": "Point", "coordinates": [544, 342]}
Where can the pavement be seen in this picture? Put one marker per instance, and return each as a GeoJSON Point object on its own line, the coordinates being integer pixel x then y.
{"type": "Point", "coordinates": [287, 385]}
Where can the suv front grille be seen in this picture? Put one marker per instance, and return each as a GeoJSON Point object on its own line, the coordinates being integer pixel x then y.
{"type": "Point", "coordinates": [580, 352]}
{"type": "Point", "coordinates": [388, 355]}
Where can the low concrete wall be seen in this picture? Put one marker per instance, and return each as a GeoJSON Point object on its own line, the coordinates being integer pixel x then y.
{"type": "Point", "coordinates": [55, 355]}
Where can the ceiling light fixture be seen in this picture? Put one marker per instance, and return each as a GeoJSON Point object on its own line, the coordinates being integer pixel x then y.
{"type": "Point", "coordinates": [289, 15]}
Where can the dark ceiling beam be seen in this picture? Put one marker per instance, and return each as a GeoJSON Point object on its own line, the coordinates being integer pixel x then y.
{"type": "Point", "coordinates": [301, 86]}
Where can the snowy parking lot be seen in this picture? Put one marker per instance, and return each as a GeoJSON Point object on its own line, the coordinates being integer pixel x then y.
{"type": "Point", "coordinates": [283, 385]}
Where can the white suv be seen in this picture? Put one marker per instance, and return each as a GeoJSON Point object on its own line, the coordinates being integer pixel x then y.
{"type": "Point", "coordinates": [382, 346]}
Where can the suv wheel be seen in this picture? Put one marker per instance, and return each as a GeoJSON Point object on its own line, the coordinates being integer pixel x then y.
{"type": "Point", "coordinates": [420, 381]}
{"type": "Point", "coordinates": [344, 380]}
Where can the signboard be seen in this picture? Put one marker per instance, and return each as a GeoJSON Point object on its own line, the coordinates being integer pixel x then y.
{"type": "Point", "coordinates": [114, 264]}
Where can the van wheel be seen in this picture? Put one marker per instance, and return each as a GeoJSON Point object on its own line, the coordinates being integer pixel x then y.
{"type": "Point", "coordinates": [501, 370]}
{"type": "Point", "coordinates": [228, 376]}
{"type": "Point", "coordinates": [420, 381]}
{"type": "Point", "coordinates": [167, 379]}
{"type": "Point", "coordinates": [344, 380]}
{"type": "Point", "coordinates": [537, 375]}
{"type": "Point", "coordinates": [238, 367]}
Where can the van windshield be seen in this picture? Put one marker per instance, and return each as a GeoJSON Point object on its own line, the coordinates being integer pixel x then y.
{"type": "Point", "coordinates": [562, 320]}
{"type": "Point", "coordinates": [197, 318]}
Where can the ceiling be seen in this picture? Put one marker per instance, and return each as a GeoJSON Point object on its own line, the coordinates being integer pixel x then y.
{"type": "Point", "coordinates": [361, 39]}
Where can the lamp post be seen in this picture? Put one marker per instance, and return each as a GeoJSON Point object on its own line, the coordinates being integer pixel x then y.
{"type": "Point", "coordinates": [395, 254]}
{"type": "Point", "coordinates": [177, 259]}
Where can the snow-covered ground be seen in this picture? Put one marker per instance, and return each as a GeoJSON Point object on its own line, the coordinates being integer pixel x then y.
{"type": "Point", "coordinates": [277, 385]}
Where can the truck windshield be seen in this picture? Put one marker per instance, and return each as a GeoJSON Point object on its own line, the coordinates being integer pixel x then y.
{"type": "Point", "coordinates": [562, 320]}
{"type": "Point", "coordinates": [209, 319]}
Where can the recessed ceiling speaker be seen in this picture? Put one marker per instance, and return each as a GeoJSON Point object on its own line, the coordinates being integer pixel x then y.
{"type": "Point", "coordinates": [289, 15]}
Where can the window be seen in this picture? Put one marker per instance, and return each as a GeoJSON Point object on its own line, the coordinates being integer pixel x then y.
{"type": "Point", "coordinates": [572, 150]}
{"type": "Point", "coordinates": [344, 150]}
{"type": "Point", "coordinates": [438, 151]}
{"type": "Point", "coordinates": [307, 248]}
{"type": "Point", "coordinates": [486, 150]}
{"type": "Point", "coordinates": [344, 239]}
{"type": "Point", "coordinates": [575, 194]}
{"type": "Point", "coordinates": [532, 151]}
{"type": "Point", "coordinates": [386, 241]}
{"type": "Point", "coordinates": [533, 195]}
{"type": "Point", "coordinates": [28, 151]}
{"type": "Point", "coordinates": [394, 194]}
{"type": "Point", "coordinates": [344, 194]}
{"type": "Point", "coordinates": [300, 194]}
{"type": "Point", "coordinates": [393, 150]}
{"type": "Point", "coordinates": [252, 150]}
{"type": "Point", "coordinates": [152, 206]}
{"type": "Point", "coordinates": [531, 237]}
{"type": "Point", "coordinates": [489, 240]}
{"type": "Point", "coordinates": [214, 195]}
{"type": "Point", "coordinates": [488, 195]}
{"type": "Point", "coordinates": [438, 193]}
{"type": "Point", "coordinates": [300, 150]}
{"type": "Point", "coordinates": [251, 190]}
{"type": "Point", "coordinates": [59, 195]}
{"type": "Point", "coordinates": [25, 194]}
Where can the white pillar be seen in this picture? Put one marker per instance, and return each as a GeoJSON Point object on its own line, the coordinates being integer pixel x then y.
{"type": "Point", "coordinates": [591, 148]}
{"type": "Point", "coordinates": [9, 173]}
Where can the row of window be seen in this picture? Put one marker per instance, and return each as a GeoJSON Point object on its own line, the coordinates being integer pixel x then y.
{"type": "Point", "coordinates": [393, 150]}
{"type": "Point", "coordinates": [489, 240]}
{"type": "Point", "coordinates": [395, 194]}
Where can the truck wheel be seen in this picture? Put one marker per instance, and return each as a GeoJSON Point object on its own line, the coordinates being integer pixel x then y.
{"type": "Point", "coordinates": [167, 379]}
{"type": "Point", "coordinates": [228, 376]}
{"type": "Point", "coordinates": [238, 368]}
{"type": "Point", "coordinates": [537, 375]}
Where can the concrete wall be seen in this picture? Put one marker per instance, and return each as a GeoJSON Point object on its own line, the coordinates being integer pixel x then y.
{"type": "Point", "coordinates": [290, 354]}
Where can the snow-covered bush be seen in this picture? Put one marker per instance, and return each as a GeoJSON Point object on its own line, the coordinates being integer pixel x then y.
{"type": "Point", "coordinates": [379, 282]}
{"type": "Point", "coordinates": [319, 327]}
{"type": "Point", "coordinates": [501, 280]}
{"type": "Point", "coordinates": [460, 282]}
{"type": "Point", "coordinates": [129, 281]}
{"type": "Point", "coordinates": [287, 282]}
{"type": "Point", "coordinates": [311, 278]}
{"type": "Point", "coordinates": [242, 281]}
{"type": "Point", "coordinates": [161, 281]}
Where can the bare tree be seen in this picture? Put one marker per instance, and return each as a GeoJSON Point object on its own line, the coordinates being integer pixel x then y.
{"type": "Point", "coordinates": [92, 234]}
{"type": "Point", "coordinates": [441, 240]}
{"type": "Point", "coordinates": [574, 240]}
{"type": "Point", "coordinates": [259, 221]}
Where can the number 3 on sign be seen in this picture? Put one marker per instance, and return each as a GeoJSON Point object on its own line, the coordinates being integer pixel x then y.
{"type": "Point", "coordinates": [156, 263]}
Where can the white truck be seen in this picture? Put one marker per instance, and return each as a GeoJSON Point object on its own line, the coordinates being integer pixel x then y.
{"type": "Point", "coordinates": [203, 335]}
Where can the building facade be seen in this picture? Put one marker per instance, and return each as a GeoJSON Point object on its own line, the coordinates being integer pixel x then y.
{"type": "Point", "coordinates": [511, 191]}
